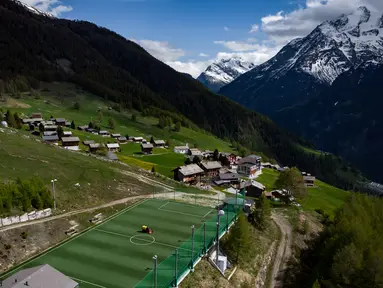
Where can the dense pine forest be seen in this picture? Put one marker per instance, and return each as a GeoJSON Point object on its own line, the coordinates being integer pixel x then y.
{"type": "Point", "coordinates": [349, 252]}
{"type": "Point", "coordinates": [36, 48]}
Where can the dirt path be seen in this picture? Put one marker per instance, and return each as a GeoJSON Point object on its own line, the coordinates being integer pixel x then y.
{"type": "Point", "coordinates": [284, 250]}
{"type": "Point", "coordinates": [177, 195]}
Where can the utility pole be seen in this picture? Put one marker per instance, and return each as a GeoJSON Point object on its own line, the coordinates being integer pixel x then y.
{"type": "Point", "coordinates": [54, 193]}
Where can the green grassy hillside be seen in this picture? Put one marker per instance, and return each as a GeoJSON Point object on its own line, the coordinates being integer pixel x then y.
{"type": "Point", "coordinates": [323, 196]}
{"type": "Point", "coordinates": [23, 156]}
{"type": "Point", "coordinates": [57, 100]}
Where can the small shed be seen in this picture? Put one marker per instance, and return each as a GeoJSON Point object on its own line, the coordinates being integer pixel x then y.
{"type": "Point", "coordinates": [188, 173]}
{"type": "Point", "coordinates": [253, 188]}
{"type": "Point", "coordinates": [147, 148]}
{"type": "Point", "coordinates": [50, 127]}
{"type": "Point", "coordinates": [137, 139]}
{"type": "Point", "coordinates": [36, 115]}
{"type": "Point", "coordinates": [181, 149]}
{"type": "Point", "coordinates": [82, 128]}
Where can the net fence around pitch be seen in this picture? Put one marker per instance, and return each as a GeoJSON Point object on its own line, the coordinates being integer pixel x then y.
{"type": "Point", "coordinates": [182, 259]}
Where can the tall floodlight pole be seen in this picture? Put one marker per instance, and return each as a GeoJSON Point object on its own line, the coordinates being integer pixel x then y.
{"type": "Point", "coordinates": [192, 248]}
{"type": "Point", "coordinates": [176, 270]}
{"type": "Point", "coordinates": [54, 193]}
{"type": "Point", "coordinates": [220, 213]}
{"type": "Point", "coordinates": [155, 270]}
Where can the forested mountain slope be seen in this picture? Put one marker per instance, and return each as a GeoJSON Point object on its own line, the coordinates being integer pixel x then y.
{"type": "Point", "coordinates": [43, 48]}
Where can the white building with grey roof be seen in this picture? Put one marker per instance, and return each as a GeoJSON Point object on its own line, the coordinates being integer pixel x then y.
{"type": "Point", "coordinates": [43, 276]}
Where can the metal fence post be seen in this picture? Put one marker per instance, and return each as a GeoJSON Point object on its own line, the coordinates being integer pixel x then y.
{"type": "Point", "coordinates": [176, 270]}
{"type": "Point", "coordinates": [204, 237]}
{"type": "Point", "coordinates": [155, 270]}
{"type": "Point", "coordinates": [192, 249]}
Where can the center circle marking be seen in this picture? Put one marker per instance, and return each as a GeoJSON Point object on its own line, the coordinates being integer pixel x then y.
{"type": "Point", "coordinates": [137, 238]}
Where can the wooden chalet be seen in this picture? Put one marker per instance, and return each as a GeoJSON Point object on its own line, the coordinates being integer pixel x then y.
{"type": "Point", "coordinates": [67, 133]}
{"type": "Point", "coordinates": [71, 143]}
{"type": "Point", "coordinates": [50, 128]}
{"type": "Point", "coordinates": [53, 139]}
{"type": "Point", "coordinates": [253, 188]}
{"type": "Point", "coordinates": [103, 133]}
{"type": "Point", "coordinates": [83, 128]}
{"type": "Point", "coordinates": [37, 115]}
{"type": "Point", "coordinates": [122, 140]}
{"type": "Point", "coordinates": [87, 142]}
{"type": "Point", "coordinates": [188, 174]}
{"type": "Point", "coordinates": [138, 139]}
{"type": "Point", "coordinates": [211, 168]}
{"type": "Point", "coordinates": [227, 179]}
{"type": "Point", "coordinates": [309, 179]}
{"type": "Point", "coordinates": [147, 148]}
{"type": "Point", "coordinates": [159, 143]}
{"type": "Point", "coordinates": [93, 147]}
{"type": "Point", "coordinates": [113, 147]}
{"type": "Point", "coordinates": [181, 149]}
{"type": "Point", "coordinates": [60, 121]}
{"type": "Point", "coordinates": [115, 135]}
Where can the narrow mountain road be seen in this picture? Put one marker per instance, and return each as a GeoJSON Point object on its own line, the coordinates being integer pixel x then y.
{"type": "Point", "coordinates": [112, 203]}
{"type": "Point", "coordinates": [284, 250]}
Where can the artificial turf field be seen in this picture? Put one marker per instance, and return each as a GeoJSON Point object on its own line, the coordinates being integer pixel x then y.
{"type": "Point", "coordinates": [115, 254]}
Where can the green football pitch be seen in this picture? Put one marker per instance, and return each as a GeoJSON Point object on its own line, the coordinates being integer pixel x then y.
{"type": "Point", "coordinates": [116, 254]}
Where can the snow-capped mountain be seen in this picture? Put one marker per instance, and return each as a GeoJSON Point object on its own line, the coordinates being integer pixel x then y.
{"type": "Point", "coordinates": [223, 71]}
{"type": "Point", "coordinates": [34, 10]}
{"type": "Point", "coordinates": [304, 66]}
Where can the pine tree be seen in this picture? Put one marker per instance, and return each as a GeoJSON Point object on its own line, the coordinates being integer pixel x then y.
{"type": "Point", "coordinates": [41, 127]}
{"type": "Point", "coordinates": [60, 131]}
{"type": "Point", "coordinates": [153, 169]}
{"type": "Point", "coordinates": [262, 213]}
{"type": "Point", "coordinates": [18, 124]}
{"type": "Point", "coordinates": [100, 116]}
{"type": "Point", "coordinates": [90, 125]}
{"type": "Point", "coordinates": [134, 117]}
{"type": "Point", "coordinates": [216, 155]}
{"type": "Point", "coordinates": [152, 140]}
{"type": "Point", "coordinates": [112, 123]}
{"type": "Point", "coordinates": [316, 284]}
{"type": "Point", "coordinates": [178, 126]}
{"type": "Point", "coordinates": [188, 161]}
{"type": "Point", "coordinates": [11, 120]}
{"type": "Point", "coordinates": [72, 125]}
{"type": "Point", "coordinates": [238, 239]}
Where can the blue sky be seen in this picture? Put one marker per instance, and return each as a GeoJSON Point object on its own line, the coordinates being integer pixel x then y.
{"type": "Point", "coordinates": [189, 34]}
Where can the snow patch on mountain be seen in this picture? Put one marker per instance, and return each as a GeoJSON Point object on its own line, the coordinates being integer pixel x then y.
{"type": "Point", "coordinates": [224, 71]}
{"type": "Point", "coordinates": [333, 48]}
{"type": "Point", "coordinates": [35, 10]}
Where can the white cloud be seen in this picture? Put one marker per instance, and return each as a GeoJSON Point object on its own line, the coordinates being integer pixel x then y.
{"type": "Point", "coordinates": [226, 28]}
{"type": "Point", "coordinates": [254, 28]}
{"type": "Point", "coordinates": [194, 68]}
{"type": "Point", "coordinates": [53, 7]}
{"type": "Point", "coordinates": [238, 46]}
{"type": "Point", "coordinates": [203, 55]}
{"type": "Point", "coordinates": [161, 50]}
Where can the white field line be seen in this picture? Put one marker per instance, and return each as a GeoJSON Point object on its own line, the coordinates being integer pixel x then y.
{"type": "Point", "coordinates": [90, 283]}
{"type": "Point", "coordinates": [182, 213]}
{"type": "Point", "coordinates": [208, 213]}
{"type": "Point", "coordinates": [81, 234]}
{"type": "Point", "coordinates": [163, 205]}
{"type": "Point", "coordinates": [127, 236]}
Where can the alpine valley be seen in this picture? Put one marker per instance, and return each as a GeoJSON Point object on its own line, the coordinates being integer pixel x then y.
{"type": "Point", "coordinates": [326, 86]}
